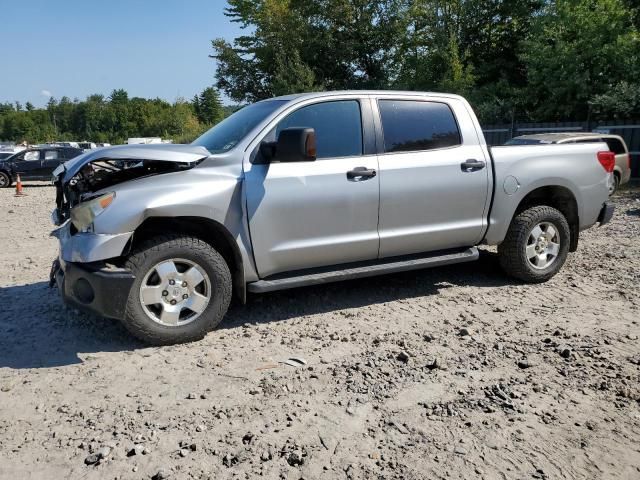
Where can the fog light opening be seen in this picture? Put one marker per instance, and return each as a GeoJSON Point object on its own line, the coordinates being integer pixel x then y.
{"type": "Point", "coordinates": [83, 291]}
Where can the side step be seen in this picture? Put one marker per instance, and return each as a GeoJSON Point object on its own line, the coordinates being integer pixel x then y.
{"type": "Point", "coordinates": [363, 269]}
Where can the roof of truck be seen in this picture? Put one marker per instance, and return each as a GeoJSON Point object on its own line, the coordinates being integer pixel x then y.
{"type": "Point", "coordinates": [295, 96]}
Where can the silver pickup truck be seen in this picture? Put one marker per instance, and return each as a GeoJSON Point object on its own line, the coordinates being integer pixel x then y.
{"type": "Point", "coordinates": [308, 189]}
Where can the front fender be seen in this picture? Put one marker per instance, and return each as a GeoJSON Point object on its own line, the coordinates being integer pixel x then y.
{"type": "Point", "coordinates": [213, 193]}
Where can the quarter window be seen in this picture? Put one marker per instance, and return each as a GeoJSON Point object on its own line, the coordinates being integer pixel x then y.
{"type": "Point", "coordinates": [338, 127]}
{"type": "Point", "coordinates": [615, 145]}
{"type": "Point", "coordinates": [410, 125]}
{"type": "Point", "coordinates": [51, 155]}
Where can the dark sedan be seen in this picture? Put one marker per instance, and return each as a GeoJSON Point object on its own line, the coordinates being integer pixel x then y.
{"type": "Point", "coordinates": [34, 163]}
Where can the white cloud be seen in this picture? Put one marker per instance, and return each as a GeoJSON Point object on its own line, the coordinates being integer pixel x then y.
{"type": "Point", "coordinates": [45, 93]}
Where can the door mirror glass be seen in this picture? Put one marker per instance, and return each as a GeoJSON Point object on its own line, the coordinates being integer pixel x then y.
{"type": "Point", "coordinates": [293, 145]}
{"type": "Point", "coordinates": [296, 145]}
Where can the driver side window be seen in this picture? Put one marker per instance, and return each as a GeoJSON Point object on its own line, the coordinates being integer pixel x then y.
{"type": "Point", "coordinates": [338, 127]}
{"type": "Point", "coordinates": [31, 156]}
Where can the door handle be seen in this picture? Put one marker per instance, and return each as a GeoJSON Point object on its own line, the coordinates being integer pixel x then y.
{"type": "Point", "coordinates": [361, 173]}
{"type": "Point", "coordinates": [472, 165]}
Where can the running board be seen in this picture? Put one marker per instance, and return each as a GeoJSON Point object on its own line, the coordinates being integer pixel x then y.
{"type": "Point", "coordinates": [363, 269]}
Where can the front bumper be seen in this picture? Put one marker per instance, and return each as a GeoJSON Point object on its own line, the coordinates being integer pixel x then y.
{"type": "Point", "coordinates": [606, 213]}
{"type": "Point", "coordinates": [89, 247]}
{"type": "Point", "coordinates": [93, 287]}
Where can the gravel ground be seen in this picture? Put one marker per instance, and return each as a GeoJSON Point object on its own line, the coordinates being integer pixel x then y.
{"type": "Point", "coordinates": [457, 372]}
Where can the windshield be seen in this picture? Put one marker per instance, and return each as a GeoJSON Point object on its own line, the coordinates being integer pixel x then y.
{"type": "Point", "coordinates": [226, 134]}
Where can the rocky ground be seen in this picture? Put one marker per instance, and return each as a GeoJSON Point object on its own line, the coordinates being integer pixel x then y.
{"type": "Point", "coordinates": [454, 372]}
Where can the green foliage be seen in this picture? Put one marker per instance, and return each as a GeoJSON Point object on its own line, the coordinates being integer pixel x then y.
{"type": "Point", "coordinates": [300, 45]}
{"type": "Point", "coordinates": [208, 107]}
{"type": "Point", "coordinates": [623, 100]}
{"type": "Point", "coordinates": [578, 51]}
{"type": "Point", "coordinates": [530, 59]}
{"type": "Point", "coordinates": [112, 119]}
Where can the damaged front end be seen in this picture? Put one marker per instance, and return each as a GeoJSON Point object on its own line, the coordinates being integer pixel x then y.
{"type": "Point", "coordinates": [81, 180]}
{"type": "Point", "coordinates": [86, 272]}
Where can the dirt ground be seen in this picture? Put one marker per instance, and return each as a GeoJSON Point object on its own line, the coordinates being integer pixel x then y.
{"type": "Point", "coordinates": [457, 372]}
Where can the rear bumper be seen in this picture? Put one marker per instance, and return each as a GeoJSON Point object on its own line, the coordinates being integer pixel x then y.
{"type": "Point", "coordinates": [93, 288]}
{"type": "Point", "coordinates": [606, 213]}
{"type": "Point", "coordinates": [626, 176]}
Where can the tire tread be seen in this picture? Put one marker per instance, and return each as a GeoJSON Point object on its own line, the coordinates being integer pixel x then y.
{"type": "Point", "coordinates": [143, 328]}
{"type": "Point", "coordinates": [510, 254]}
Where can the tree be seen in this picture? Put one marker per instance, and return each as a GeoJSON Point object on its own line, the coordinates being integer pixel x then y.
{"type": "Point", "coordinates": [208, 107]}
{"type": "Point", "coordinates": [300, 45]}
{"type": "Point", "coordinates": [578, 51]}
{"type": "Point", "coordinates": [112, 119]}
{"type": "Point", "coordinates": [621, 101]}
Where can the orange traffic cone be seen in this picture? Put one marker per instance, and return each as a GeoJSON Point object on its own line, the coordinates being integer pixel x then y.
{"type": "Point", "coordinates": [19, 192]}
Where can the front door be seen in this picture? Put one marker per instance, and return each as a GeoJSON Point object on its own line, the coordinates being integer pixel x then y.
{"type": "Point", "coordinates": [29, 164]}
{"type": "Point", "coordinates": [434, 177]}
{"type": "Point", "coordinates": [312, 214]}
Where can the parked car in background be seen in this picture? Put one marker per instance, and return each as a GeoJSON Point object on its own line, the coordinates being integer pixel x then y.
{"type": "Point", "coordinates": [616, 144]}
{"type": "Point", "coordinates": [34, 163]}
{"type": "Point", "coordinates": [309, 189]}
{"type": "Point", "coordinates": [67, 144]}
{"type": "Point", "coordinates": [4, 155]}
{"type": "Point", "coordinates": [87, 146]}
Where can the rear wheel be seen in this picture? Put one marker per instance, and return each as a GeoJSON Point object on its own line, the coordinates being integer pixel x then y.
{"type": "Point", "coordinates": [182, 290]}
{"type": "Point", "coordinates": [5, 180]}
{"type": "Point", "coordinates": [615, 184]}
{"type": "Point", "coordinates": [536, 245]}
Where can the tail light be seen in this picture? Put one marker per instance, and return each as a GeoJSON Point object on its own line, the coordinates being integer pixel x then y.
{"type": "Point", "coordinates": [607, 160]}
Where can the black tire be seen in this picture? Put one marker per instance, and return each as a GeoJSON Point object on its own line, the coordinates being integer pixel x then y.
{"type": "Point", "coordinates": [616, 183]}
{"type": "Point", "coordinates": [5, 180]}
{"type": "Point", "coordinates": [512, 251]}
{"type": "Point", "coordinates": [170, 247]}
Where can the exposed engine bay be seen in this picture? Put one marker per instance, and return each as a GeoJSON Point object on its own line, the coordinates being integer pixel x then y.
{"type": "Point", "coordinates": [102, 173]}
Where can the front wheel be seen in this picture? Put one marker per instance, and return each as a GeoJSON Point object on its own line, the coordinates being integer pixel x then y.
{"type": "Point", "coordinates": [536, 245]}
{"type": "Point", "coordinates": [182, 290]}
{"type": "Point", "coordinates": [5, 180]}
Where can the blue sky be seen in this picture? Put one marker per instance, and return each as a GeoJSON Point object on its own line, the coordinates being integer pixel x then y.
{"type": "Point", "coordinates": [75, 48]}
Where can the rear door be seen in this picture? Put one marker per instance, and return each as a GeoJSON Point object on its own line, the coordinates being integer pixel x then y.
{"type": "Point", "coordinates": [313, 214]}
{"type": "Point", "coordinates": [52, 159]}
{"type": "Point", "coordinates": [434, 177]}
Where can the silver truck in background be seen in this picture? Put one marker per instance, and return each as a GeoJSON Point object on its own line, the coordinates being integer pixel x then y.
{"type": "Point", "coordinates": [308, 189]}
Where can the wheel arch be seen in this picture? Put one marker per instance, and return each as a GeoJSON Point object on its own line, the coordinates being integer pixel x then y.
{"type": "Point", "coordinates": [207, 230]}
{"type": "Point", "coordinates": [560, 198]}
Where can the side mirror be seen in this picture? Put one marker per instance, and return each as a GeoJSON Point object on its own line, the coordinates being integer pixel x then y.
{"type": "Point", "coordinates": [294, 145]}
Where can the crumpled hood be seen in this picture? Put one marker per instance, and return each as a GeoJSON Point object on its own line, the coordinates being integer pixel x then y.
{"type": "Point", "coordinates": [159, 152]}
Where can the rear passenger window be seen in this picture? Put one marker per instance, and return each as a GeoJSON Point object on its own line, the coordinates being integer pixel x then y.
{"type": "Point", "coordinates": [615, 145]}
{"type": "Point", "coordinates": [410, 125]}
{"type": "Point", "coordinates": [338, 127]}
